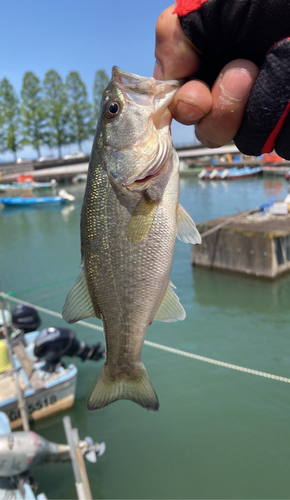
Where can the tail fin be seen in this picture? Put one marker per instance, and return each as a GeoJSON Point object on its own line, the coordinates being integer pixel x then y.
{"type": "Point", "coordinates": [138, 389]}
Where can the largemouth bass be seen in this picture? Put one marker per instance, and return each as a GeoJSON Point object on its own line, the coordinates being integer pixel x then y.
{"type": "Point", "coordinates": [129, 223]}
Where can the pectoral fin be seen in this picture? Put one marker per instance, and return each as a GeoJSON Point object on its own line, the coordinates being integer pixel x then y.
{"type": "Point", "coordinates": [141, 220]}
{"type": "Point", "coordinates": [170, 308]}
{"type": "Point", "coordinates": [186, 229]}
{"type": "Point", "coordinates": [78, 304]}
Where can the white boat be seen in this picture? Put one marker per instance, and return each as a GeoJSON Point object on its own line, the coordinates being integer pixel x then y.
{"type": "Point", "coordinates": [21, 450]}
{"type": "Point", "coordinates": [12, 487]}
{"type": "Point", "coordinates": [56, 391]}
{"type": "Point", "coordinates": [48, 386]}
{"type": "Point", "coordinates": [213, 174]}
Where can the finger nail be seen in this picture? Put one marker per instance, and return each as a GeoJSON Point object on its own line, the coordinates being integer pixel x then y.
{"type": "Point", "coordinates": [158, 71]}
{"type": "Point", "coordinates": [237, 83]}
{"type": "Point", "coordinates": [189, 111]}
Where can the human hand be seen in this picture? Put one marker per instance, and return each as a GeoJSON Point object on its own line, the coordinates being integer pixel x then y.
{"type": "Point", "coordinates": [218, 112]}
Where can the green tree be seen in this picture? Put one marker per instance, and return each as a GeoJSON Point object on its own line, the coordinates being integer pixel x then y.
{"type": "Point", "coordinates": [100, 83]}
{"type": "Point", "coordinates": [56, 108]}
{"type": "Point", "coordinates": [80, 110]}
{"type": "Point", "coordinates": [33, 112]}
{"type": "Point", "coordinates": [2, 133]}
{"type": "Point", "coordinates": [10, 139]}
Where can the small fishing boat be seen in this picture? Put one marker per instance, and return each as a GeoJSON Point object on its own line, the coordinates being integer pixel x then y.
{"type": "Point", "coordinates": [15, 188]}
{"type": "Point", "coordinates": [39, 201]}
{"type": "Point", "coordinates": [211, 173]}
{"type": "Point", "coordinates": [242, 173]}
{"type": "Point", "coordinates": [37, 185]}
{"type": "Point", "coordinates": [21, 187]}
{"type": "Point", "coordinates": [19, 451]}
{"type": "Point", "coordinates": [48, 386]}
{"type": "Point", "coordinates": [19, 201]}
{"type": "Point", "coordinates": [229, 173]}
{"type": "Point", "coordinates": [55, 391]}
{"type": "Point", "coordinates": [13, 486]}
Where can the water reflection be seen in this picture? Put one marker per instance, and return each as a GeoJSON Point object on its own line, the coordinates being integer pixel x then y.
{"type": "Point", "coordinates": [66, 212]}
{"type": "Point", "coordinates": [230, 292]}
{"type": "Point", "coordinates": [273, 187]}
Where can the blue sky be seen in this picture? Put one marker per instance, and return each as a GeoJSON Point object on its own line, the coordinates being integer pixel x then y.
{"type": "Point", "coordinates": [83, 35]}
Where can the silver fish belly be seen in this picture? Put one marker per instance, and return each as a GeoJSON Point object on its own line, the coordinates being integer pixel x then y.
{"type": "Point", "coordinates": [129, 223]}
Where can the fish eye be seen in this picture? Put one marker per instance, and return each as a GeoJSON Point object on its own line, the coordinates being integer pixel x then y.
{"type": "Point", "coordinates": [112, 109]}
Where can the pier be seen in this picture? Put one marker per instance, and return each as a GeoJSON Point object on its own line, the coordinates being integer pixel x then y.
{"type": "Point", "coordinates": [60, 170]}
{"type": "Point", "coordinates": [247, 243]}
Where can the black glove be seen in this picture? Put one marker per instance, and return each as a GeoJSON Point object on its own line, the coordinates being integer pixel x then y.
{"type": "Point", "coordinates": [258, 30]}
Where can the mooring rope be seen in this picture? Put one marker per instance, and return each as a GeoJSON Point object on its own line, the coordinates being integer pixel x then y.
{"type": "Point", "coordinates": [38, 287]}
{"type": "Point", "coordinates": [216, 362]}
{"type": "Point", "coordinates": [162, 347]}
{"type": "Point", "coordinates": [47, 311]}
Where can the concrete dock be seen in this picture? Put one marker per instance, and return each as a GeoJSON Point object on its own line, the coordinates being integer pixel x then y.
{"type": "Point", "coordinates": [248, 244]}
{"type": "Point", "coordinates": [61, 173]}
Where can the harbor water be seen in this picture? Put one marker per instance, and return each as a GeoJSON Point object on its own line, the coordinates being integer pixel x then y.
{"type": "Point", "coordinates": [220, 432]}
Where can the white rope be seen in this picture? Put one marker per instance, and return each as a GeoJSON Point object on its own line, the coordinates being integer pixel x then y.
{"type": "Point", "coordinates": [216, 362]}
{"type": "Point", "coordinates": [163, 347]}
{"type": "Point", "coordinates": [47, 311]}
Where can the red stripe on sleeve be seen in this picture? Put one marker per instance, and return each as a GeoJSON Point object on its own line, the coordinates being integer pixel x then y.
{"type": "Point", "coordinates": [184, 7]}
{"type": "Point", "coordinates": [270, 142]}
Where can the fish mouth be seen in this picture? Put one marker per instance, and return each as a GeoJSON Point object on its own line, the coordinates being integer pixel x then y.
{"type": "Point", "coordinates": [157, 164]}
{"type": "Point", "coordinates": [143, 181]}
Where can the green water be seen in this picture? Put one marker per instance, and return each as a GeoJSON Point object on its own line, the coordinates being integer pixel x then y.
{"type": "Point", "coordinates": [219, 433]}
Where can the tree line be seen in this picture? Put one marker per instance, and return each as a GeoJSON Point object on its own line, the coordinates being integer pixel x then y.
{"type": "Point", "coordinates": [54, 112]}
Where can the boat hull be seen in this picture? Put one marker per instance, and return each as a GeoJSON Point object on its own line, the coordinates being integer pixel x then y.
{"type": "Point", "coordinates": [230, 174]}
{"type": "Point", "coordinates": [44, 403]}
{"type": "Point", "coordinates": [56, 395]}
{"type": "Point", "coordinates": [18, 201]}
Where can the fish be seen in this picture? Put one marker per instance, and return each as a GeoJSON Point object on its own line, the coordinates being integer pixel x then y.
{"type": "Point", "coordinates": [129, 222]}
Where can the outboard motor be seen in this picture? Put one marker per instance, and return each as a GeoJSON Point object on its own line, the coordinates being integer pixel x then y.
{"type": "Point", "coordinates": [25, 318]}
{"type": "Point", "coordinates": [53, 343]}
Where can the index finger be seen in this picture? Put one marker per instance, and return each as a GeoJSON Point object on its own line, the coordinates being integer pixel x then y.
{"type": "Point", "coordinates": [176, 57]}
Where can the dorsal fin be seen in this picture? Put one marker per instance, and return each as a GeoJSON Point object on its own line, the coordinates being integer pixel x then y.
{"type": "Point", "coordinates": [170, 308]}
{"type": "Point", "coordinates": [186, 229]}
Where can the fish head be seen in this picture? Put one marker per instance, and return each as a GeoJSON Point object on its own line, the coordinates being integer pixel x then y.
{"type": "Point", "coordinates": [135, 129]}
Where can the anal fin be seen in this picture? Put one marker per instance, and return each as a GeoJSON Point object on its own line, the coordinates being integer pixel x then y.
{"type": "Point", "coordinates": [170, 308]}
{"type": "Point", "coordinates": [78, 304]}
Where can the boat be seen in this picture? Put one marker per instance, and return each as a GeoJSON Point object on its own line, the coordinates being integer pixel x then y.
{"type": "Point", "coordinates": [39, 201]}
{"type": "Point", "coordinates": [27, 186]}
{"type": "Point", "coordinates": [229, 173]}
{"type": "Point", "coordinates": [211, 173]}
{"type": "Point", "coordinates": [37, 185]}
{"type": "Point", "coordinates": [55, 391]}
{"type": "Point", "coordinates": [242, 173]}
{"type": "Point", "coordinates": [19, 201]}
{"type": "Point", "coordinates": [48, 386]}
{"type": "Point", "coordinates": [19, 451]}
{"type": "Point", "coordinates": [15, 188]}
{"type": "Point", "coordinates": [14, 486]}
